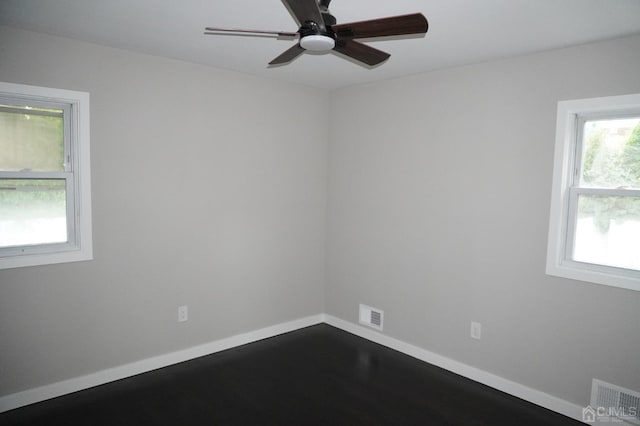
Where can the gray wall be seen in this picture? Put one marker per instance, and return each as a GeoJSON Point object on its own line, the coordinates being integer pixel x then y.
{"type": "Point", "coordinates": [209, 189]}
{"type": "Point", "coordinates": [439, 202]}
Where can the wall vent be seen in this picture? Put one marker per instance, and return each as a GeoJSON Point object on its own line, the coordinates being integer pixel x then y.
{"type": "Point", "coordinates": [371, 317]}
{"type": "Point", "coordinates": [614, 402]}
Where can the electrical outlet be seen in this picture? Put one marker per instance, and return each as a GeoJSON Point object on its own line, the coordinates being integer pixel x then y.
{"type": "Point", "coordinates": [476, 330]}
{"type": "Point", "coordinates": [183, 313]}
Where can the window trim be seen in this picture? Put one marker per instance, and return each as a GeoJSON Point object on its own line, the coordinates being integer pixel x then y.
{"type": "Point", "coordinates": [565, 157]}
{"type": "Point", "coordinates": [80, 246]}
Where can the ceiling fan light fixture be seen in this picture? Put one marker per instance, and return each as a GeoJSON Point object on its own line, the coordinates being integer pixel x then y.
{"type": "Point", "coordinates": [317, 43]}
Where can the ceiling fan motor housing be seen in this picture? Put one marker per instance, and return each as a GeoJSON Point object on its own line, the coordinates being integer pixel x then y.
{"type": "Point", "coordinates": [313, 38]}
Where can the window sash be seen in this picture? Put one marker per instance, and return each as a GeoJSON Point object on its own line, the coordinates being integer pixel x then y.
{"type": "Point", "coordinates": [67, 120]}
{"type": "Point", "coordinates": [71, 218]}
{"type": "Point", "coordinates": [575, 190]}
{"type": "Point", "coordinates": [574, 194]}
{"type": "Point", "coordinates": [70, 178]}
{"type": "Point", "coordinates": [581, 121]}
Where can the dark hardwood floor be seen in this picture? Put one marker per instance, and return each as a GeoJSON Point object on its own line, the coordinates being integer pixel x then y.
{"type": "Point", "coordinates": [315, 376]}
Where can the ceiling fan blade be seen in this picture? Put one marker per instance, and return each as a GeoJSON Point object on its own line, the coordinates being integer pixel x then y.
{"type": "Point", "coordinates": [361, 52]}
{"type": "Point", "coordinates": [306, 10]}
{"type": "Point", "coordinates": [214, 31]}
{"type": "Point", "coordinates": [288, 55]}
{"type": "Point", "coordinates": [396, 25]}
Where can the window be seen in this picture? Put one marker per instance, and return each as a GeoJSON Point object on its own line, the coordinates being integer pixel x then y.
{"type": "Point", "coordinates": [45, 197]}
{"type": "Point", "coordinates": [594, 231]}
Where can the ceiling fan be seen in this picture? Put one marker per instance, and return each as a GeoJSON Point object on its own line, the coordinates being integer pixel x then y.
{"type": "Point", "coordinates": [319, 32]}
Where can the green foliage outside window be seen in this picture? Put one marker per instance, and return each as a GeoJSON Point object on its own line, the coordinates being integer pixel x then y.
{"type": "Point", "coordinates": [610, 165]}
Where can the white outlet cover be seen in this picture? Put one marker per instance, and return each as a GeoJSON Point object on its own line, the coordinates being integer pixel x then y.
{"type": "Point", "coordinates": [183, 313]}
{"type": "Point", "coordinates": [476, 330]}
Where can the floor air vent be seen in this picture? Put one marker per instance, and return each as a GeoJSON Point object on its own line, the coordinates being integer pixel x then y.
{"type": "Point", "coordinates": [614, 402]}
{"type": "Point", "coordinates": [371, 317]}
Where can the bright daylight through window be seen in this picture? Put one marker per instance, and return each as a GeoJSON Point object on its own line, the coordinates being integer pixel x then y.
{"type": "Point", "coordinates": [595, 215]}
{"type": "Point", "coordinates": [44, 176]}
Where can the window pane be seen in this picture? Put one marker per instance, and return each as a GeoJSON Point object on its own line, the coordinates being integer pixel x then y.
{"type": "Point", "coordinates": [31, 139]}
{"type": "Point", "coordinates": [611, 153]}
{"type": "Point", "coordinates": [608, 231]}
{"type": "Point", "coordinates": [32, 212]}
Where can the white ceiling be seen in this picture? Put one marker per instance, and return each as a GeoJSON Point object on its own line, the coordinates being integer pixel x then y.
{"type": "Point", "coordinates": [460, 31]}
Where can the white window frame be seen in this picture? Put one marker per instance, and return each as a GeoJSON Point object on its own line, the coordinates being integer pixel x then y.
{"type": "Point", "coordinates": [78, 175]}
{"type": "Point", "coordinates": [569, 114]}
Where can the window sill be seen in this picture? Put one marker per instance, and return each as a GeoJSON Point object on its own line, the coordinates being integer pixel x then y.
{"type": "Point", "coordinates": [45, 259]}
{"type": "Point", "coordinates": [590, 273]}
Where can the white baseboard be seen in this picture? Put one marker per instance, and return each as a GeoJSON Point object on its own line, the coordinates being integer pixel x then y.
{"type": "Point", "coordinates": [42, 393]}
{"type": "Point", "coordinates": [516, 389]}
{"type": "Point", "coordinates": [30, 396]}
